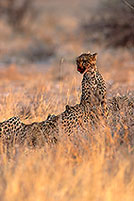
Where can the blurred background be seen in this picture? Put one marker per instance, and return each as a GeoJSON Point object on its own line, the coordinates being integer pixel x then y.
{"type": "Point", "coordinates": [42, 32]}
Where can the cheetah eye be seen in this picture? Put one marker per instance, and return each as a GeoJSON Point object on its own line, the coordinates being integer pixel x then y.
{"type": "Point", "coordinates": [84, 59]}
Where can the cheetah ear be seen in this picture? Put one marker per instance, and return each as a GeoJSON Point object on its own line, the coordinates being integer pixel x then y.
{"type": "Point", "coordinates": [94, 56]}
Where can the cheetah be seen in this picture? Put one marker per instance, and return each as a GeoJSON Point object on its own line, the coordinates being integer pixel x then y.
{"type": "Point", "coordinates": [93, 84]}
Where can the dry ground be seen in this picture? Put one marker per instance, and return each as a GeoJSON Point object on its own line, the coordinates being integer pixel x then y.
{"type": "Point", "coordinates": [77, 168]}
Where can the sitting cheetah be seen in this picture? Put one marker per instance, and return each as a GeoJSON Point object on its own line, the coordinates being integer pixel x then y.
{"type": "Point", "coordinates": [93, 84]}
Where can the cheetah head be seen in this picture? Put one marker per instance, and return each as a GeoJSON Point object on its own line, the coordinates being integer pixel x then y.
{"type": "Point", "coordinates": [84, 61]}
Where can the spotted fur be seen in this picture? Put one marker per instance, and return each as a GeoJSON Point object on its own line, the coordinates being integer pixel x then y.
{"type": "Point", "coordinates": [10, 130]}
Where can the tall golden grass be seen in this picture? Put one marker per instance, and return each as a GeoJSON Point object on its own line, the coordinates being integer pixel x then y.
{"type": "Point", "coordinates": [81, 167]}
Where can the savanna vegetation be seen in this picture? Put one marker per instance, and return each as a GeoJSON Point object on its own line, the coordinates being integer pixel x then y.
{"type": "Point", "coordinates": [38, 77]}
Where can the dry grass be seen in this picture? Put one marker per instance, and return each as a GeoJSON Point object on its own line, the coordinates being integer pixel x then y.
{"type": "Point", "coordinates": [78, 167]}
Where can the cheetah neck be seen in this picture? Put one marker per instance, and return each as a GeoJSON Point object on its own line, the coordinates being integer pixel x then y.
{"type": "Point", "coordinates": [92, 69]}
{"type": "Point", "coordinates": [93, 87]}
